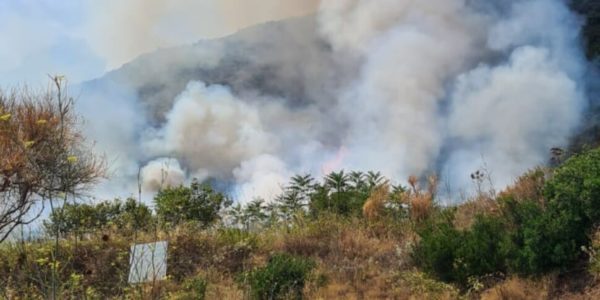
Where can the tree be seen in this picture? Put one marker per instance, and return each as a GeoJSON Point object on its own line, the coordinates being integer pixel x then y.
{"type": "Point", "coordinates": [374, 179]}
{"type": "Point", "coordinates": [79, 218]}
{"type": "Point", "coordinates": [337, 181]}
{"type": "Point", "coordinates": [237, 215]}
{"type": "Point", "coordinates": [198, 202]}
{"type": "Point", "coordinates": [357, 179]}
{"type": "Point", "coordinates": [296, 197]}
{"type": "Point", "coordinates": [43, 155]}
{"type": "Point", "coordinates": [255, 212]}
{"type": "Point", "coordinates": [303, 186]}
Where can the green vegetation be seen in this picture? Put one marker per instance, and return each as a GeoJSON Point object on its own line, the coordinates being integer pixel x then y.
{"type": "Point", "coordinates": [86, 218]}
{"type": "Point", "coordinates": [198, 202]}
{"type": "Point", "coordinates": [349, 235]}
{"type": "Point", "coordinates": [283, 277]}
{"type": "Point", "coordinates": [528, 237]}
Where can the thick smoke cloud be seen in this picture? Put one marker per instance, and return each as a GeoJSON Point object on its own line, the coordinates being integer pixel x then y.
{"type": "Point", "coordinates": [121, 30]}
{"type": "Point", "coordinates": [403, 87]}
{"type": "Point", "coordinates": [409, 53]}
{"type": "Point", "coordinates": [161, 173]}
{"type": "Point", "coordinates": [511, 115]}
{"type": "Point", "coordinates": [212, 128]}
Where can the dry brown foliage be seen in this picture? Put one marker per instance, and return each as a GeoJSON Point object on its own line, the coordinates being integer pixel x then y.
{"type": "Point", "coordinates": [528, 186]}
{"type": "Point", "coordinates": [466, 212]}
{"type": "Point", "coordinates": [420, 200]}
{"type": "Point", "coordinates": [42, 153]}
{"type": "Point", "coordinates": [517, 289]}
{"type": "Point", "coordinates": [375, 205]}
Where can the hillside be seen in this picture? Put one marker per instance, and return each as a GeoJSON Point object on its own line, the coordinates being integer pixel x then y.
{"type": "Point", "coordinates": [349, 236]}
{"type": "Point", "coordinates": [249, 156]}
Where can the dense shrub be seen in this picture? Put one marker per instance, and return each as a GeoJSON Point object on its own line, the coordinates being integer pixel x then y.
{"type": "Point", "coordinates": [194, 288]}
{"type": "Point", "coordinates": [343, 203]}
{"type": "Point", "coordinates": [198, 202]}
{"type": "Point", "coordinates": [284, 276]}
{"type": "Point", "coordinates": [527, 237]}
{"type": "Point", "coordinates": [575, 188]}
{"type": "Point", "coordinates": [81, 218]}
{"type": "Point", "coordinates": [520, 218]}
{"type": "Point", "coordinates": [480, 252]}
{"type": "Point", "coordinates": [553, 239]}
{"type": "Point", "coordinates": [454, 255]}
{"type": "Point", "coordinates": [436, 252]}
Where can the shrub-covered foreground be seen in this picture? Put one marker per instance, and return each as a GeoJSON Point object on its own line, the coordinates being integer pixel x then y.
{"type": "Point", "coordinates": [527, 236]}
{"type": "Point", "coordinates": [351, 236]}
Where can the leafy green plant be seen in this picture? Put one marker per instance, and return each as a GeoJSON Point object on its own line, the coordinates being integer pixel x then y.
{"type": "Point", "coordinates": [553, 239]}
{"type": "Point", "coordinates": [284, 276]}
{"type": "Point", "coordinates": [78, 218]}
{"type": "Point", "coordinates": [479, 252]}
{"type": "Point", "coordinates": [528, 237]}
{"type": "Point", "coordinates": [194, 288]}
{"type": "Point", "coordinates": [436, 252]}
{"type": "Point", "coordinates": [198, 202]}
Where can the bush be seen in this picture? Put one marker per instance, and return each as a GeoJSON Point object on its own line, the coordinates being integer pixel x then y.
{"type": "Point", "coordinates": [526, 238]}
{"type": "Point", "coordinates": [539, 240]}
{"type": "Point", "coordinates": [553, 239]}
{"type": "Point", "coordinates": [284, 276]}
{"type": "Point", "coordinates": [519, 215]}
{"type": "Point", "coordinates": [193, 289]}
{"type": "Point", "coordinates": [479, 252]}
{"type": "Point", "coordinates": [436, 252]}
{"type": "Point", "coordinates": [199, 203]}
{"type": "Point", "coordinates": [575, 188]}
{"type": "Point", "coordinates": [453, 255]}
{"type": "Point", "coordinates": [86, 218]}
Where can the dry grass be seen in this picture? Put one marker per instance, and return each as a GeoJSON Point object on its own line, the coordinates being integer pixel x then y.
{"type": "Point", "coordinates": [528, 186]}
{"type": "Point", "coordinates": [357, 257]}
{"type": "Point", "coordinates": [420, 200]}
{"type": "Point", "coordinates": [466, 212]}
{"type": "Point", "coordinates": [518, 289]}
{"type": "Point", "coordinates": [374, 207]}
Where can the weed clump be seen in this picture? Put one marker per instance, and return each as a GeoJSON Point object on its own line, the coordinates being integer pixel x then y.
{"type": "Point", "coordinates": [284, 276]}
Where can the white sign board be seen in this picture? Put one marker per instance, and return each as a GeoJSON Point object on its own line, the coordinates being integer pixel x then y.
{"type": "Point", "coordinates": [148, 262]}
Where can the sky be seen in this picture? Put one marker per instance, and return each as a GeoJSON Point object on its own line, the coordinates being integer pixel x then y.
{"type": "Point", "coordinates": [83, 39]}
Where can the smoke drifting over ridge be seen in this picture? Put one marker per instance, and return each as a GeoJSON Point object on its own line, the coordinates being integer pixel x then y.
{"type": "Point", "coordinates": [404, 87]}
{"type": "Point", "coordinates": [120, 30]}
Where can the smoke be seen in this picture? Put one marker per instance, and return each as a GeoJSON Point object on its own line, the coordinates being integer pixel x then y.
{"type": "Point", "coordinates": [212, 130]}
{"type": "Point", "coordinates": [398, 86]}
{"type": "Point", "coordinates": [121, 30]}
{"type": "Point", "coordinates": [161, 173]}
{"type": "Point", "coordinates": [511, 115]}
{"type": "Point", "coordinates": [409, 53]}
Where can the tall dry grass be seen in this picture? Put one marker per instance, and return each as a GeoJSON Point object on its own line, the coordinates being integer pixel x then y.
{"type": "Point", "coordinates": [529, 186]}
{"type": "Point", "coordinates": [374, 207]}
{"type": "Point", "coordinates": [419, 200]}
{"type": "Point", "coordinates": [518, 289]}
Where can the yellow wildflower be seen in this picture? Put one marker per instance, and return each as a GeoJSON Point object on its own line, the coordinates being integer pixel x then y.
{"type": "Point", "coordinates": [72, 159]}
{"type": "Point", "coordinates": [41, 122]}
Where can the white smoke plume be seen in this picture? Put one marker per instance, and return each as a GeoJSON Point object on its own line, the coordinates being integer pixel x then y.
{"type": "Point", "coordinates": [121, 30]}
{"type": "Point", "coordinates": [398, 86]}
{"type": "Point", "coordinates": [162, 173]}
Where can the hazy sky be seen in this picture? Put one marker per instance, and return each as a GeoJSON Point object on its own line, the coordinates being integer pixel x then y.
{"type": "Point", "coordinates": [84, 38]}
